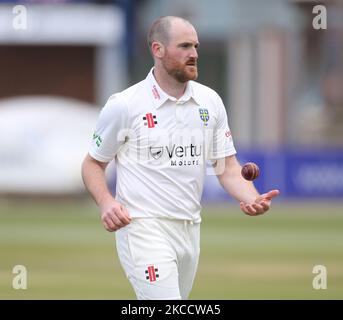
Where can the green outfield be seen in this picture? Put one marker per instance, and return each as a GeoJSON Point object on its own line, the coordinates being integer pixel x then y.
{"type": "Point", "coordinates": [68, 255]}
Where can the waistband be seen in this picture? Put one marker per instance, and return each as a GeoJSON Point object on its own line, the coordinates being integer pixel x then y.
{"type": "Point", "coordinates": [184, 221]}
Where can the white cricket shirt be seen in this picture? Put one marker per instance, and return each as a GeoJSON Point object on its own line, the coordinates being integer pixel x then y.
{"type": "Point", "coordinates": [161, 146]}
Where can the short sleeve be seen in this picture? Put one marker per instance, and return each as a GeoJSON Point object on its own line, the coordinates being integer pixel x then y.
{"type": "Point", "coordinates": [110, 130]}
{"type": "Point", "coordinates": [222, 142]}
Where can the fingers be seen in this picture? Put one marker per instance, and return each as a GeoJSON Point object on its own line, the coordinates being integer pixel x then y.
{"type": "Point", "coordinates": [115, 217]}
{"type": "Point", "coordinates": [267, 197]}
{"type": "Point", "coordinates": [125, 216]}
{"type": "Point", "coordinates": [248, 209]}
{"type": "Point", "coordinates": [271, 194]}
{"type": "Point", "coordinates": [109, 224]}
{"type": "Point", "coordinates": [254, 209]}
{"type": "Point", "coordinates": [261, 204]}
{"type": "Point", "coordinates": [265, 206]}
{"type": "Point", "coordinates": [260, 208]}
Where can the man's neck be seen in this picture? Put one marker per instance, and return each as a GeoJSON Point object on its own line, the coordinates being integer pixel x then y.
{"type": "Point", "coordinates": [169, 84]}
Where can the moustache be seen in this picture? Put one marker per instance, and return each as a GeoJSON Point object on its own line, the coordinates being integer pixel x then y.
{"type": "Point", "coordinates": [192, 62]}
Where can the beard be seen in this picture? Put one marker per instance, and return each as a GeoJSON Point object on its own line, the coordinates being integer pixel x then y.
{"type": "Point", "coordinates": [182, 72]}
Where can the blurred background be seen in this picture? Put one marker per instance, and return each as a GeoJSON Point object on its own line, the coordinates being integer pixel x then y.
{"type": "Point", "coordinates": [281, 79]}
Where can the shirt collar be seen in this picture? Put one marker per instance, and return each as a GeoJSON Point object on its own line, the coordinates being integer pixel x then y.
{"type": "Point", "coordinates": [160, 97]}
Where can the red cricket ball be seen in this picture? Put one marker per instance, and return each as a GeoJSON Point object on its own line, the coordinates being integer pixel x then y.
{"type": "Point", "coordinates": [250, 171]}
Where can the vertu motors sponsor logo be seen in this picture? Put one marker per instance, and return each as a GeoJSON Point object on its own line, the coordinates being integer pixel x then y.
{"type": "Point", "coordinates": [178, 155]}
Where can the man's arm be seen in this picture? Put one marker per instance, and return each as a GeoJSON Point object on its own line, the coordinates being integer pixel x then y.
{"type": "Point", "coordinates": [251, 202]}
{"type": "Point", "coordinates": [113, 215]}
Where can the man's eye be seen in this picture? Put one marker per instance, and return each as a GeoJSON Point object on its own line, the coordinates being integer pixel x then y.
{"type": "Point", "coordinates": [188, 45]}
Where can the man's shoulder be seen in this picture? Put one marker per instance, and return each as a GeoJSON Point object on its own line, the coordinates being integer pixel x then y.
{"type": "Point", "coordinates": [204, 93]}
{"type": "Point", "coordinates": [135, 91]}
{"type": "Point", "coordinates": [132, 91]}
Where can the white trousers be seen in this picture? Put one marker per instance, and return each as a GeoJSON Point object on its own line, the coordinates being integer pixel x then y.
{"type": "Point", "coordinates": [159, 256]}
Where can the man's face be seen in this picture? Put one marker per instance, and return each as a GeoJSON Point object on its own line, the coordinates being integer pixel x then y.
{"type": "Point", "coordinates": [180, 58]}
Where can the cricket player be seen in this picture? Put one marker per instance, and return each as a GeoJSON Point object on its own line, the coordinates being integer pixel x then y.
{"type": "Point", "coordinates": [162, 132]}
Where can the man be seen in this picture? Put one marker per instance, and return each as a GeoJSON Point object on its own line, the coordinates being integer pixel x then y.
{"type": "Point", "coordinates": [161, 132]}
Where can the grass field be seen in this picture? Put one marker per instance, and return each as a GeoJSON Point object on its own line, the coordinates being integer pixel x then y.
{"type": "Point", "coordinates": [68, 255]}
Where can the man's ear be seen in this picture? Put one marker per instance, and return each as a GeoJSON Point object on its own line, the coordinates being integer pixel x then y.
{"type": "Point", "coordinates": [157, 49]}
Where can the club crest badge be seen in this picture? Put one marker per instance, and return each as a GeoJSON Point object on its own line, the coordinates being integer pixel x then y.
{"type": "Point", "coordinates": [204, 116]}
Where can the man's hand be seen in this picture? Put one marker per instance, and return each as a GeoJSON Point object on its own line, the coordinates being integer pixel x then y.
{"type": "Point", "coordinates": [260, 205]}
{"type": "Point", "coordinates": [114, 215]}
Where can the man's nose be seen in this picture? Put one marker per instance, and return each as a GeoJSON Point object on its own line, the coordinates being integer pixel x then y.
{"type": "Point", "coordinates": [194, 53]}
